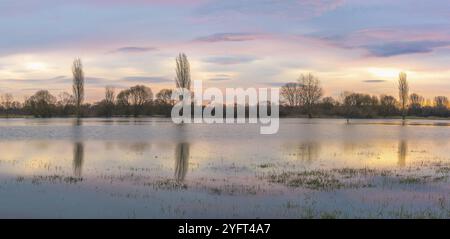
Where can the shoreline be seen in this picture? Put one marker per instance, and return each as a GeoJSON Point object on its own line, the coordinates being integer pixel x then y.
{"type": "Point", "coordinates": [281, 117]}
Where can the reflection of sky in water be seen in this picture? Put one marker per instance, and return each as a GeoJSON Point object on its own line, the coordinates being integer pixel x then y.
{"type": "Point", "coordinates": [89, 158]}
{"type": "Point", "coordinates": [129, 152]}
{"type": "Point", "coordinates": [172, 149]}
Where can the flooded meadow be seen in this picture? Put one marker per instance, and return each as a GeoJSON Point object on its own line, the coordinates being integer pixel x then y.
{"type": "Point", "coordinates": [152, 168]}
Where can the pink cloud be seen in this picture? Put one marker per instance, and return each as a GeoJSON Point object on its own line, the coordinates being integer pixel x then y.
{"type": "Point", "coordinates": [405, 33]}
{"type": "Point", "coordinates": [231, 37]}
{"type": "Point", "coordinates": [162, 2]}
{"type": "Point", "coordinates": [298, 9]}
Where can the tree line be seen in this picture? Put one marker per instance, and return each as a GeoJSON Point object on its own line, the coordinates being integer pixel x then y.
{"type": "Point", "coordinates": [134, 101]}
{"type": "Point", "coordinates": [303, 98]}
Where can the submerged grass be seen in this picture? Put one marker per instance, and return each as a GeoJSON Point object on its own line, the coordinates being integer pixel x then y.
{"type": "Point", "coordinates": [266, 165]}
{"type": "Point", "coordinates": [412, 180]}
{"type": "Point", "coordinates": [443, 170]}
{"type": "Point", "coordinates": [334, 179]}
{"type": "Point", "coordinates": [39, 179]}
{"type": "Point", "coordinates": [317, 180]}
{"type": "Point", "coordinates": [167, 184]}
{"type": "Point", "coordinates": [235, 189]}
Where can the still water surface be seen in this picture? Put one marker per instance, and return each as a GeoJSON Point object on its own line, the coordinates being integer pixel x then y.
{"type": "Point", "coordinates": [151, 168]}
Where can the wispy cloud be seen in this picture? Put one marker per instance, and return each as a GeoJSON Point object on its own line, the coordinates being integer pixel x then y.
{"type": "Point", "coordinates": [147, 79]}
{"type": "Point", "coordinates": [59, 78]}
{"type": "Point", "coordinates": [96, 81]}
{"type": "Point", "coordinates": [230, 37]}
{"type": "Point", "coordinates": [275, 84]}
{"type": "Point", "coordinates": [373, 81]}
{"type": "Point", "coordinates": [36, 81]}
{"type": "Point", "coordinates": [133, 49]}
{"type": "Point", "coordinates": [404, 47]}
{"type": "Point", "coordinates": [32, 90]}
{"type": "Point", "coordinates": [299, 9]}
{"type": "Point", "coordinates": [230, 60]}
{"type": "Point", "coordinates": [60, 81]}
{"type": "Point", "coordinates": [219, 79]}
{"type": "Point", "coordinates": [387, 42]}
{"type": "Point", "coordinates": [145, 2]}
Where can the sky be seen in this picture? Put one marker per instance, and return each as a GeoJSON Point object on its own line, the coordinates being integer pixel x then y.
{"type": "Point", "coordinates": [349, 45]}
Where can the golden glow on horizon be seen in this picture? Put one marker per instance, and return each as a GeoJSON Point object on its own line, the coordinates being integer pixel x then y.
{"type": "Point", "coordinates": [35, 66]}
{"type": "Point", "coordinates": [22, 75]}
{"type": "Point", "coordinates": [390, 73]}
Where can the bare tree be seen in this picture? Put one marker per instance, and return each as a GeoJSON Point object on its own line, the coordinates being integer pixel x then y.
{"type": "Point", "coordinates": [388, 105]}
{"type": "Point", "coordinates": [403, 93]}
{"type": "Point", "coordinates": [311, 92]}
{"type": "Point", "coordinates": [123, 101]}
{"type": "Point", "coordinates": [183, 78]}
{"type": "Point", "coordinates": [41, 104]}
{"type": "Point", "coordinates": [291, 93]}
{"type": "Point", "coordinates": [65, 101]}
{"type": "Point", "coordinates": [416, 100]}
{"type": "Point", "coordinates": [441, 102]}
{"type": "Point", "coordinates": [359, 105]}
{"type": "Point", "coordinates": [78, 84]}
{"type": "Point", "coordinates": [165, 96]}
{"type": "Point", "coordinates": [7, 103]}
{"type": "Point", "coordinates": [328, 103]}
{"type": "Point", "coordinates": [136, 96]}
{"type": "Point", "coordinates": [108, 102]}
{"type": "Point", "coordinates": [123, 98]}
{"type": "Point", "coordinates": [139, 96]}
{"type": "Point", "coordinates": [343, 99]}
{"type": "Point", "coordinates": [110, 94]}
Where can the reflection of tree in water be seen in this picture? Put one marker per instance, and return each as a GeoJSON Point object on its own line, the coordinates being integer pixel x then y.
{"type": "Point", "coordinates": [78, 157]}
{"type": "Point", "coordinates": [78, 122]}
{"type": "Point", "coordinates": [308, 151]}
{"type": "Point", "coordinates": [139, 147]}
{"type": "Point", "coordinates": [135, 147]}
{"type": "Point", "coordinates": [402, 153]}
{"type": "Point", "coordinates": [349, 147]}
{"type": "Point", "coordinates": [181, 161]}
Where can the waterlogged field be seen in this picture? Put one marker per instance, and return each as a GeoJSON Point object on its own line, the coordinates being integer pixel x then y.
{"type": "Point", "coordinates": [151, 168]}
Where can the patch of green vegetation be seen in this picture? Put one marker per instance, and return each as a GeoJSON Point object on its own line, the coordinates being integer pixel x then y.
{"type": "Point", "coordinates": [361, 172]}
{"type": "Point", "coordinates": [315, 183]}
{"type": "Point", "coordinates": [72, 179]}
{"type": "Point", "coordinates": [440, 179]}
{"type": "Point", "coordinates": [316, 180]}
{"type": "Point", "coordinates": [330, 215]}
{"type": "Point", "coordinates": [12, 116]}
{"type": "Point", "coordinates": [234, 189]}
{"type": "Point", "coordinates": [54, 179]}
{"type": "Point", "coordinates": [412, 180]}
{"type": "Point", "coordinates": [167, 184]}
{"type": "Point", "coordinates": [443, 170]}
{"type": "Point", "coordinates": [215, 191]}
{"type": "Point", "coordinates": [266, 165]}
{"type": "Point", "coordinates": [290, 205]}
{"type": "Point", "coordinates": [346, 178]}
{"type": "Point", "coordinates": [20, 179]}
{"type": "Point", "coordinates": [404, 213]}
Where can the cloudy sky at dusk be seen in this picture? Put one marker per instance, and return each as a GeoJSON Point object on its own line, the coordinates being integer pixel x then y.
{"type": "Point", "coordinates": [350, 45]}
